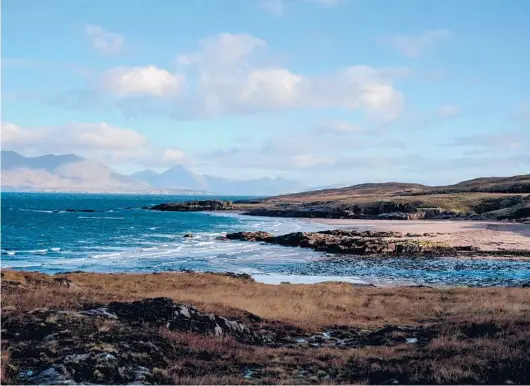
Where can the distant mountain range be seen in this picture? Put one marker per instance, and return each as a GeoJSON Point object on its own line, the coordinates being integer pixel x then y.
{"type": "Point", "coordinates": [70, 173]}
{"type": "Point", "coordinates": [179, 177]}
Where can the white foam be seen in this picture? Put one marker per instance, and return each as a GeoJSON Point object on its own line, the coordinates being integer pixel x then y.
{"type": "Point", "coordinates": [304, 279]}
{"type": "Point", "coordinates": [55, 249]}
{"type": "Point", "coordinates": [101, 218]}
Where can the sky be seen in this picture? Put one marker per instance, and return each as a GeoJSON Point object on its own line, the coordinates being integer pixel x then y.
{"type": "Point", "coordinates": [320, 91]}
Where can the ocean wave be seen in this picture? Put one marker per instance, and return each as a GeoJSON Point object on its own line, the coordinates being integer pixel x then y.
{"type": "Point", "coordinates": [101, 218]}
{"type": "Point", "coordinates": [149, 249]}
{"type": "Point", "coordinates": [20, 264]}
{"type": "Point", "coordinates": [38, 210]}
{"type": "Point", "coordinates": [107, 255]}
{"type": "Point", "coordinates": [14, 252]}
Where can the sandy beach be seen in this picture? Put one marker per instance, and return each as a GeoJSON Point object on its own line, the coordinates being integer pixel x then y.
{"type": "Point", "coordinates": [487, 236]}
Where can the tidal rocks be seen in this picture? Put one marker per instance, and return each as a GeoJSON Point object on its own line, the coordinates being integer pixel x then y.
{"type": "Point", "coordinates": [194, 206]}
{"type": "Point", "coordinates": [350, 242]}
{"type": "Point", "coordinates": [248, 236]}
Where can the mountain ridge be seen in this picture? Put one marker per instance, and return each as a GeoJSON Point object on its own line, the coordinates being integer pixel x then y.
{"type": "Point", "coordinates": [71, 173]}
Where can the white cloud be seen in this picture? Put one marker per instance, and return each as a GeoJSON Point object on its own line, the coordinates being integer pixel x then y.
{"type": "Point", "coordinates": [174, 156]}
{"type": "Point", "coordinates": [448, 111]}
{"type": "Point", "coordinates": [234, 74]}
{"type": "Point", "coordinates": [223, 50]}
{"type": "Point", "coordinates": [318, 147]}
{"type": "Point", "coordinates": [100, 141]}
{"type": "Point", "coordinates": [95, 136]}
{"type": "Point", "coordinates": [12, 135]}
{"type": "Point", "coordinates": [104, 41]}
{"type": "Point", "coordinates": [148, 80]}
{"type": "Point", "coordinates": [231, 80]}
{"type": "Point", "coordinates": [338, 127]}
{"type": "Point", "coordinates": [105, 136]}
{"type": "Point", "coordinates": [415, 46]}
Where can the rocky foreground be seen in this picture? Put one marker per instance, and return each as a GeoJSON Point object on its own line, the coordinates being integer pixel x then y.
{"type": "Point", "coordinates": [82, 328]}
{"type": "Point", "coordinates": [372, 243]}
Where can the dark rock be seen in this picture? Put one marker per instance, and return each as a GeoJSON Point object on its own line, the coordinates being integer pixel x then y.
{"type": "Point", "coordinates": [164, 312]}
{"type": "Point", "coordinates": [248, 236]}
{"type": "Point", "coordinates": [242, 276]}
{"type": "Point", "coordinates": [51, 376]}
{"type": "Point", "coordinates": [363, 285]}
{"type": "Point", "coordinates": [194, 206]}
{"type": "Point", "coordinates": [188, 236]}
{"type": "Point", "coordinates": [349, 242]}
{"type": "Point", "coordinates": [115, 343]}
{"type": "Point", "coordinates": [62, 282]}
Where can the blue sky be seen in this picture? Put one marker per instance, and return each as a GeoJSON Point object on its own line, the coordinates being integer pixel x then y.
{"type": "Point", "coordinates": [322, 91]}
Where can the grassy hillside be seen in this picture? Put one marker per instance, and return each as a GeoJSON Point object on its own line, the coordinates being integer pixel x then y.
{"type": "Point", "coordinates": [489, 198]}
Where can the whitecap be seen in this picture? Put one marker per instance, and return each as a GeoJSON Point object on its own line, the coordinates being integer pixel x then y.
{"type": "Point", "coordinates": [55, 249]}
{"type": "Point", "coordinates": [102, 218]}
{"type": "Point", "coordinates": [37, 210]}
{"type": "Point", "coordinates": [107, 255]}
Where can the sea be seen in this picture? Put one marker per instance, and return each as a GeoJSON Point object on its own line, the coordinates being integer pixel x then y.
{"type": "Point", "coordinates": [39, 234]}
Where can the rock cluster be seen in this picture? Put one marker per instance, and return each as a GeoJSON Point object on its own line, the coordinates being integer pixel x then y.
{"type": "Point", "coordinates": [194, 206]}
{"type": "Point", "coordinates": [164, 312]}
{"type": "Point", "coordinates": [350, 242]}
{"type": "Point", "coordinates": [119, 342]}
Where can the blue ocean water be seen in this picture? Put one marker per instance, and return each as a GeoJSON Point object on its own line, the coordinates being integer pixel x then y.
{"type": "Point", "coordinates": [38, 234]}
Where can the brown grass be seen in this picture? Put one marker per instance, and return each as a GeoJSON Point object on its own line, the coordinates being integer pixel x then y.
{"type": "Point", "coordinates": [306, 306]}
{"type": "Point", "coordinates": [463, 350]}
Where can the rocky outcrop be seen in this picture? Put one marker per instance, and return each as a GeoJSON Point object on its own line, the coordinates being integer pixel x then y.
{"type": "Point", "coordinates": [194, 206]}
{"type": "Point", "coordinates": [381, 211]}
{"type": "Point", "coordinates": [351, 242]}
{"type": "Point", "coordinates": [164, 312]}
{"type": "Point", "coordinates": [115, 343]}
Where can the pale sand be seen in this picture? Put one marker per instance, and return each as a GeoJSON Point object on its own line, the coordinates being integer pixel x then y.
{"type": "Point", "coordinates": [487, 236]}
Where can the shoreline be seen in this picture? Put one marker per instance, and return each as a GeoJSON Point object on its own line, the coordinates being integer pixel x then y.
{"type": "Point", "coordinates": [487, 236]}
